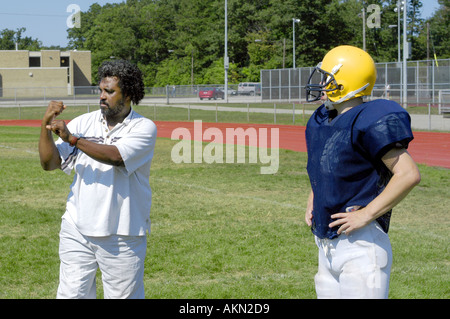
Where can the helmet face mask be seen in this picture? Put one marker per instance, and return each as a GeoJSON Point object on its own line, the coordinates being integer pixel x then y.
{"type": "Point", "coordinates": [314, 91]}
{"type": "Point", "coordinates": [346, 72]}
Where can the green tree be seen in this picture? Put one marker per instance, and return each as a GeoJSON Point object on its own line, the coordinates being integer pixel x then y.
{"type": "Point", "coordinates": [9, 38]}
{"type": "Point", "coordinates": [439, 31]}
{"type": "Point", "coordinates": [176, 71]}
{"type": "Point", "coordinates": [182, 41]}
{"type": "Point", "coordinates": [416, 24]}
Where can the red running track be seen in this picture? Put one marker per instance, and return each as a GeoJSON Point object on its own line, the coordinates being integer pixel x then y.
{"type": "Point", "coordinates": [430, 148]}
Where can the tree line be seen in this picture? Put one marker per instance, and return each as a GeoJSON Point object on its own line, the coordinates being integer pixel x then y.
{"type": "Point", "coordinates": [182, 42]}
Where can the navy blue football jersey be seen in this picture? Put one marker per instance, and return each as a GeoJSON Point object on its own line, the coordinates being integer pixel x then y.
{"type": "Point", "coordinates": [344, 158]}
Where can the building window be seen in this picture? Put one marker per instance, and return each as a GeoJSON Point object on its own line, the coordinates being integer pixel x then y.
{"type": "Point", "coordinates": [35, 61]}
{"type": "Point", "coordinates": [64, 61]}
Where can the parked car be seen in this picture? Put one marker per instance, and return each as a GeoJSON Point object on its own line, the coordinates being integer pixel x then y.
{"type": "Point", "coordinates": [230, 91]}
{"type": "Point", "coordinates": [249, 88]}
{"type": "Point", "coordinates": [211, 93]}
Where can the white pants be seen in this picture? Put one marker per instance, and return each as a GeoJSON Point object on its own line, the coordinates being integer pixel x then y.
{"type": "Point", "coordinates": [355, 266]}
{"type": "Point", "coordinates": [120, 259]}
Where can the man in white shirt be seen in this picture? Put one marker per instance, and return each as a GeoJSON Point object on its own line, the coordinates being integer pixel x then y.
{"type": "Point", "coordinates": [108, 208]}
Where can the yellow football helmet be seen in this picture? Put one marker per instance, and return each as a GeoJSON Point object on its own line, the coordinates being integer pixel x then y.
{"type": "Point", "coordinates": [347, 72]}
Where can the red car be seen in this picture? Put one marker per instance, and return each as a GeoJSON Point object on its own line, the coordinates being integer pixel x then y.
{"type": "Point", "coordinates": [211, 93]}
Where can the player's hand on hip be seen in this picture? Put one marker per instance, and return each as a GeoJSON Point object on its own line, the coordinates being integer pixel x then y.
{"type": "Point", "coordinates": [350, 221]}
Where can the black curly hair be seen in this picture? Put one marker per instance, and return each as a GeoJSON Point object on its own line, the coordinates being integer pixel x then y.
{"type": "Point", "coordinates": [129, 75]}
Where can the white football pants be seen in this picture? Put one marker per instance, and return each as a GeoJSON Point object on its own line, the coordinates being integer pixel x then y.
{"type": "Point", "coordinates": [120, 259]}
{"type": "Point", "coordinates": [357, 265]}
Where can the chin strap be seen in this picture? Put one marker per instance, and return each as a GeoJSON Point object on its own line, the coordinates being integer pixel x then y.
{"type": "Point", "coordinates": [330, 105]}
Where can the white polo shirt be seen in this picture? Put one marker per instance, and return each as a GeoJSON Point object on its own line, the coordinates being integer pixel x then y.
{"type": "Point", "coordinates": [104, 199]}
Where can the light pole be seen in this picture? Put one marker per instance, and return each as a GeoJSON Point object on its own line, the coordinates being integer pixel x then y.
{"type": "Point", "coordinates": [363, 12]}
{"type": "Point", "coordinates": [399, 8]}
{"type": "Point", "coordinates": [225, 59]}
{"type": "Point", "coordinates": [398, 41]}
{"type": "Point", "coordinates": [294, 20]}
{"type": "Point", "coordinates": [405, 53]}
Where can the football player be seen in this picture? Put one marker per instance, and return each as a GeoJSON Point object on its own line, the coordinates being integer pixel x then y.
{"type": "Point", "coordinates": [359, 169]}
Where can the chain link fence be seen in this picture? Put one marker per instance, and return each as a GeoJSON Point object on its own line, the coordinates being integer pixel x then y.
{"type": "Point", "coordinates": [425, 79]}
{"type": "Point", "coordinates": [35, 96]}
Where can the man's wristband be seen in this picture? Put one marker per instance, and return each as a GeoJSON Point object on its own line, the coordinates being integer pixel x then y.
{"type": "Point", "coordinates": [73, 139]}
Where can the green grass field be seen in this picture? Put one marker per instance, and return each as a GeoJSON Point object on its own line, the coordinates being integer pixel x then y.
{"type": "Point", "coordinates": [218, 230]}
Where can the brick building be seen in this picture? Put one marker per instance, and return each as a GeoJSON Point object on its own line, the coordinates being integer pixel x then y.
{"type": "Point", "coordinates": [49, 72]}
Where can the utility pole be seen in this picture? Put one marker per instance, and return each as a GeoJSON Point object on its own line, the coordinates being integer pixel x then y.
{"type": "Point", "coordinates": [293, 40]}
{"type": "Point", "coordinates": [225, 59]}
{"type": "Point", "coordinates": [364, 27]}
{"type": "Point", "coordinates": [405, 54]}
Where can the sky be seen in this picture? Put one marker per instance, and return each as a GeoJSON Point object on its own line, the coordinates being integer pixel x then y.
{"type": "Point", "coordinates": [46, 20]}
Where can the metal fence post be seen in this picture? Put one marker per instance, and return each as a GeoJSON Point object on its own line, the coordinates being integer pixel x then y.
{"type": "Point", "coordinates": [293, 113]}
{"type": "Point", "coordinates": [248, 112]}
{"type": "Point", "coordinates": [167, 93]}
{"type": "Point", "coordinates": [274, 113]}
{"type": "Point", "coordinates": [429, 116]}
